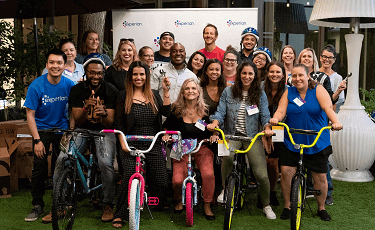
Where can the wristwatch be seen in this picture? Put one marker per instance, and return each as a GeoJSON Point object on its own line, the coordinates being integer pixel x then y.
{"type": "Point", "coordinates": [36, 141]}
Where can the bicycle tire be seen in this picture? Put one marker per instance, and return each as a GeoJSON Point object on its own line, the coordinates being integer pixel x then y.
{"type": "Point", "coordinates": [64, 203]}
{"type": "Point", "coordinates": [242, 189]}
{"type": "Point", "coordinates": [230, 203]}
{"type": "Point", "coordinates": [97, 195]}
{"type": "Point", "coordinates": [296, 199]}
{"type": "Point", "coordinates": [189, 204]}
{"type": "Point", "coordinates": [135, 205]}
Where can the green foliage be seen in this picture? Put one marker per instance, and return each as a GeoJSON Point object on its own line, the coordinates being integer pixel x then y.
{"type": "Point", "coordinates": [107, 49]}
{"type": "Point", "coordinates": [18, 56]}
{"type": "Point", "coordinates": [369, 103]}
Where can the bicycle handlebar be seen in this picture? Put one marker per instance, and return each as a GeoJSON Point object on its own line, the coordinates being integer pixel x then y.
{"type": "Point", "coordinates": [301, 131]}
{"type": "Point", "coordinates": [200, 145]}
{"type": "Point", "coordinates": [140, 138]}
{"type": "Point", "coordinates": [236, 138]}
{"type": "Point", "coordinates": [77, 130]}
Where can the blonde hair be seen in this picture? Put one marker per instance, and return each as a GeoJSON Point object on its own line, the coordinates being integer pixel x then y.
{"type": "Point", "coordinates": [117, 63]}
{"type": "Point", "coordinates": [179, 106]}
{"type": "Point", "coordinates": [315, 59]}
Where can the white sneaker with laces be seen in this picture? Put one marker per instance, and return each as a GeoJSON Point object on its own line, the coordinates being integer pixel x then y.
{"type": "Point", "coordinates": [269, 212]}
{"type": "Point", "coordinates": [220, 198]}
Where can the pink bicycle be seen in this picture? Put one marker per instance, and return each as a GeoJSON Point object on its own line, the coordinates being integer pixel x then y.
{"type": "Point", "coordinates": [136, 190]}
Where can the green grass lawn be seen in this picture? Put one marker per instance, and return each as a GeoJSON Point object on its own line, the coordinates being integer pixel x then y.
{"type": "Point", "coordinates": [353, 209]}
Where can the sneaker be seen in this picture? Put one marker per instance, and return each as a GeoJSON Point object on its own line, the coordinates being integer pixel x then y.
{"type": "Point", "coordinates": [269, 212]}
{"type": "Point", "coordinates": [35, 213]}
{"type": "Point", "coordinates": [329, 200]}
{"type": "Point", "coordinates": [286, 214]}
{"type": "Point", "coordinates": [323, 214]}
{"type": "Point", "coordinates": [220, 198]}
{"type": "Point", "coordinates": [273, 199]}
{"type": "Point", "coordinates": [108, 214]}
{"type": "Point", "coordinates": [47, 219]}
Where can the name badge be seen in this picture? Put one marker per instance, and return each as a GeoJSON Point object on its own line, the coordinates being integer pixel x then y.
{"type": "Point", "coordinates": [279, 132]}
{"type": "Point", "coordinates": [299, 101]}
{"type": "Point", "coordinates": [222, 151]}
{"type": "Point", "coordinates": [201, 125]}
{"type": "Point", "coordinates": [252, 109]}
{"type": "Point", "coordinates": [68, 73]}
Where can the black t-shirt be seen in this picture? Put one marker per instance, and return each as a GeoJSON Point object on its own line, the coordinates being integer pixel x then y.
{"type": "Point", "coordinates": [159, 57]}
{"type": "Point", "coordinates": [188, 130]}
{"type": "Point", "coordinates": [81, 92]}
{"type": "Point", "coordinates": [116, 77]}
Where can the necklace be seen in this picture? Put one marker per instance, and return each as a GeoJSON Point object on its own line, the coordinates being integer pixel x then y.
{"type": "Point", "coordinates": [190, 112]}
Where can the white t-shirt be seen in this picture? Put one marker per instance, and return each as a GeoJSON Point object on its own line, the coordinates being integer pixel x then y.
{"type": "Point", "coordinates": [336, 79]}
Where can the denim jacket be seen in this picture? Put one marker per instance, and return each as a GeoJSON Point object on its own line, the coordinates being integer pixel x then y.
{"type": "Point", "coordinates": [227, 112]}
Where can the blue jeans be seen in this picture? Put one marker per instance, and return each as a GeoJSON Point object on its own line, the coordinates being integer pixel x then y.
{"type": "Point", "coordinates": [105, 152]}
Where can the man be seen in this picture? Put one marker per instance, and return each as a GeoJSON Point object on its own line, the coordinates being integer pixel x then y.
{"type": "Point", "coordinates": [93, 103]}
{"type": "Point", "coordinates": [176, 71]}
{"type": "Point", "coordinates": [249, 41]}
{"type": "Point", "coordinates": [210, 49]}
{"type": "Point", "coordinates": [46, 107]}
{"type": "Point", "coordinates": [163, 55]}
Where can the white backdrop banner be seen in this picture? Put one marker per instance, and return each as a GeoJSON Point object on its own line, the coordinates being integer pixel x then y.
{"type": "Point", "coordinates": [146, 25]}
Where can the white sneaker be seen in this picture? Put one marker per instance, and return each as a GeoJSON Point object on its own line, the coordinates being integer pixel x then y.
{"type": "Point", "coordinates": [269, 212]}
{"type": "Point", "coordinates": [220, 198]}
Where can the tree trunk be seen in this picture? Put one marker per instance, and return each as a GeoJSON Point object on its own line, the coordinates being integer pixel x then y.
{"type": "Point", "coordinates": [95, 21]}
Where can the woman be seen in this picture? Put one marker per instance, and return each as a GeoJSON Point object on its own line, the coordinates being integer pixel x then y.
{"type": "Point", "coordinates": [116, 73]}
{"type": "Point", "coordinates": [90, 44]}
{"type": "Point", "coordinates": [274, 87]}
{"type": "Point", "coordinates": [73, 70]}
{"type": "Point", "coordinates": [230, 63]}
{"type": "Point", "coordinates": [213, 84]}
{"type": "Point", "coordinates": [187, 111]}
{"type": "Point", "coordinates": [146, 54]}
{"type": "Point", "coordinates": [288, 58]}
{"type": "Point", "coordinates": [261, 57]}
{"type": "Point", "coordinates": [309, 59]}
{"type": "Point", "coordinates": [310, 112]}
{"type": "Point", "coordinates": [196, 62]}
{"type": "Point", "coordinates": [327, 59]}
{"type": "Point", "coordinates": [239, 118]}
{"type": "Point", "coordinates": [138, 112]}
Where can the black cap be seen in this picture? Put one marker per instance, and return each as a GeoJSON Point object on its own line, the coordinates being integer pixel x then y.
{"type": "Point", "coordinates": [167, 34]}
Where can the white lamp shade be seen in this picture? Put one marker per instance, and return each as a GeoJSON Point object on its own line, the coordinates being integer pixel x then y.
{"type": "Point", "coordinates": [337, 13]}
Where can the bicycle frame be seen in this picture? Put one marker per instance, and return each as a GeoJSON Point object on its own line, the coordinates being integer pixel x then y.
{"type": "Point", "coordinates": [138, 154]}
{"type": "Point", "coordinates": [191, 177]}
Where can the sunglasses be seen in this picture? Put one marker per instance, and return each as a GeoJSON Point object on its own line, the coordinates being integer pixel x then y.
{"type": "Point", "coordinates": [127, 39]}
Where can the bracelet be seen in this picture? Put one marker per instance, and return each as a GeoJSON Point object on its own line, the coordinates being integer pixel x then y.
{"type": "Point", "coordinates": [84, 110]}
{"type": "Point", "coordinates": [166, 96]}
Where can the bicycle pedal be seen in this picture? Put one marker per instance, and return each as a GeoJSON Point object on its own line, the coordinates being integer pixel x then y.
{"type": "Point", "coordinates": [252, 185]}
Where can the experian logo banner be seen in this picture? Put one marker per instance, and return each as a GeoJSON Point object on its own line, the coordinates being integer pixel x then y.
{"type": "Point", "coordinates": [231, 23]}
{"type": "Point", "coordinates": [179, 23]}
{"type": "Point", "coordinates": [129, 24]}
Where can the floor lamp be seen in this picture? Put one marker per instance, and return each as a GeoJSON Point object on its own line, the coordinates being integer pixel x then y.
{"type": "Point", "coordinates": [354, 146]}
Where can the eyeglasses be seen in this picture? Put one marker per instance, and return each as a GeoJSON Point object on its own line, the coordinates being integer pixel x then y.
{"type": "Point", "coordinates": [127, 39]}
{"type": "Point", "coordinates": [230, 60]}
{"type": "Point", "coordinates": [329, 58]}
{"type": "Point", "coordinates": [99, 74]}
{"type": "Point", "coordinates": [260, 58]}
{"type": "Point", "coordinates": [148, 56]}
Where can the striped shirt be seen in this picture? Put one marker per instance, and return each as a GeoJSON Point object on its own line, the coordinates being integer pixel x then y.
{"type": "Point", "coordinates": [241, 116]}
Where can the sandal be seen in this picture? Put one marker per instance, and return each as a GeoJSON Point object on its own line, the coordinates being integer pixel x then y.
{"type": "Point", "coordinates": [118, 223]}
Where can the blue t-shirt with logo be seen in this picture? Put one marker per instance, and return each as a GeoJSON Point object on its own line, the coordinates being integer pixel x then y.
{"type": "Point", "coordinates": [49, 101]}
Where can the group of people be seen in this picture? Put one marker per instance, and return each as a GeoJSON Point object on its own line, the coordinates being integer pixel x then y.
{"type": "Point", "coordinates": [243, 92]}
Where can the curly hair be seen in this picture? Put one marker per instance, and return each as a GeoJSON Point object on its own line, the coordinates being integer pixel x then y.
{"type": "Point", "coordinates": [200, 72]}
{"type": "Point", "coordinates": [274, 100]}
{"type": "Point", "coordinates": [254, 92]}
{"type": "Point", "coordinates": [117, 63]}
{"type": "Point", "coordinates": [129, 87]}
{"type": "Point", "coordinates": [205, 79]}
{"type": "Point", "coordinates": [179, 106]}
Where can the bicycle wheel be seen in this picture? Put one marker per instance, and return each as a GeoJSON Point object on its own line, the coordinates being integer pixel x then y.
{"type": "Point", "coordinates": [296, 203]}
{"type": "Point", "coordinates": [230, 202]}
{"type": "Point", "coordinates": [64, 203]}
{"type": "Point", "coordinates": [97, 195]}
{"type": "Point", "coordinates": [135, 205]}
{"type": "Point", "coordinates": [189, 204]}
